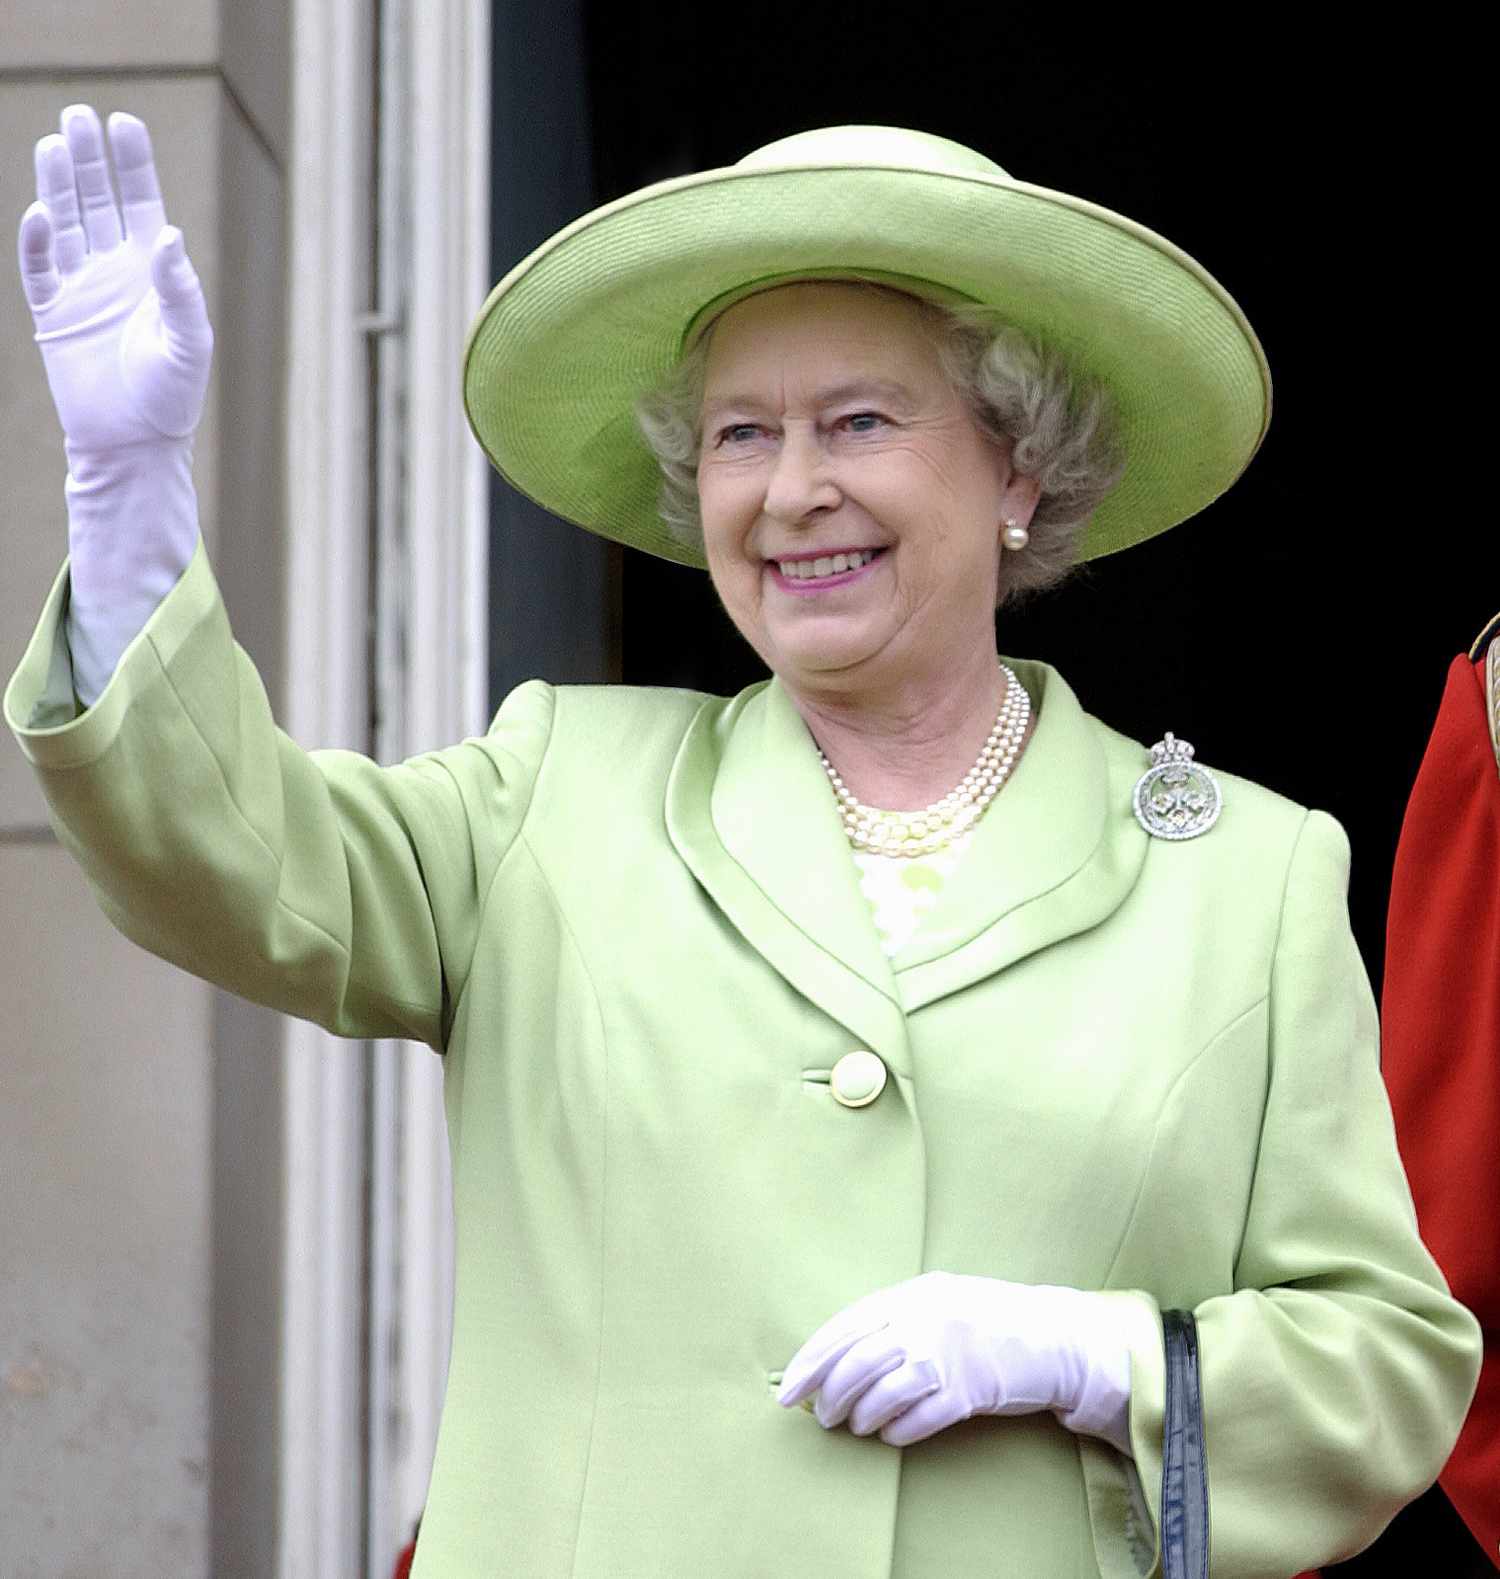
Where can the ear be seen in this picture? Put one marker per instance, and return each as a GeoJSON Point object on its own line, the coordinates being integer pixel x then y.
{"type": "Point", "coordinates": [1019, 501]}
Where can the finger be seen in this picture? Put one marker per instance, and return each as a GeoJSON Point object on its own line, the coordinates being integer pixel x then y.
{"type": "Point", "coordinates": [813, 1361]}
{"type": "Point", "coordinates": [925, 1418]}
{"type": "Point", "coordinates": [856, 1370]}
{"type": "Point", "coordinates": [101, 219]}
{"type": "Point", "coordinates": [135, 171]}
{"type": "Point", "coordinates": [178, 388]}
{"type": "Point", "coordinates": [890, 1396]}
{"type": "Point", "coordinates": [56, 188]}
{"type": "Point", "coordinates": [184, 313]}
{"type": "Point", "coordinates": [39, 277]}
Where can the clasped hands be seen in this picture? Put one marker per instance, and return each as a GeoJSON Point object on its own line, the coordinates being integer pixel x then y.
{"type": "Point", "coordinates": [909, 1360]}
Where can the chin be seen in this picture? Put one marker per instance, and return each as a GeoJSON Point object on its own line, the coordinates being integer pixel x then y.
{"type": "Point", "coordinates": [827, 665]}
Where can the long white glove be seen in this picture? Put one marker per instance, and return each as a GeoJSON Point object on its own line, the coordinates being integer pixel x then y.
{"type": "Point", "coordinates": [909, 1360]}
{"type": "Point", "coordinates": [127, 345]}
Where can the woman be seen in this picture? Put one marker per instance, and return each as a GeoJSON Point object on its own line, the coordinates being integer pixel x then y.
{"type": "Point", "coordinates": [954, 1171]}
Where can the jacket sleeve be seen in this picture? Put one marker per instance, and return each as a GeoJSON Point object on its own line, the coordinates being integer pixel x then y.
{"type": "Point", "coordinates": [1336, 1374]}
{"type": "Point", "coordinates": [316, 882]}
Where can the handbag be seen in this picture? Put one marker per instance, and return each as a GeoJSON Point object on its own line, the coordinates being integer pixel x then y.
{"type": "Point", "coordinates": [1184, 1472]}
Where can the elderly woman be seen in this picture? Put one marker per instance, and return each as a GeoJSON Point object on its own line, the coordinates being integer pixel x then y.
{"type": "Point", "coordinates": [893, 1038]}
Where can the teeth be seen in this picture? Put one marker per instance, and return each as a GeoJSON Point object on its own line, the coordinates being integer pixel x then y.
{"type": "Point", "coordinates": [808, 569]}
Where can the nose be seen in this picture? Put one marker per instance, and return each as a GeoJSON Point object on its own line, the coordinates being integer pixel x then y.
{"type": "Point", "coordinates": [801, 479]}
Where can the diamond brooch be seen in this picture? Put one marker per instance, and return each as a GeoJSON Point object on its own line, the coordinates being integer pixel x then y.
{"type": "Point", "coordinates": [1176, 798]}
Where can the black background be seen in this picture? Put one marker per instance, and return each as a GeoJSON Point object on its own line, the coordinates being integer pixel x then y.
{"type": "Point", "coordinates": [1299, 631]}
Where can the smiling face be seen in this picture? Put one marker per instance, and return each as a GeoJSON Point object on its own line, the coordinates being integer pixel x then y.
{"type": "Point", "coordinates": [830, 429]}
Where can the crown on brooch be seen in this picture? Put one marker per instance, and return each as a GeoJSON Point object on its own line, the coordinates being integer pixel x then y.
{"type": "Point", "coordinates": [1176, 798]}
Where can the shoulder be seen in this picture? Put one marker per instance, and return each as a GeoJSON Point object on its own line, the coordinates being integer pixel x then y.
{"type": "Point", "coordinates": [608, 707]}
{"type": "Point", "coordinates": [1262, 843]}
{"type": "Point", "coordinates": [598, 735]}
{"type": "Point", "coordinates": [648, 720]}
{"type": "Point", "coordinates": [1268, 870]}
{"type": "Point", "coordinates": [1259, 811]}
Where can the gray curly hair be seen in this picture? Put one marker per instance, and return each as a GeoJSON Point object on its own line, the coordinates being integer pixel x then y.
{"type": "Point", "coordinates": [1060, 430]}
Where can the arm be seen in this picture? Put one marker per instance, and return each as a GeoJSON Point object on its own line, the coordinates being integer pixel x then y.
{"type": "Point", "coordinates": [1336, 1376]}
{"type": "Point", "coordinates": [318, 883]}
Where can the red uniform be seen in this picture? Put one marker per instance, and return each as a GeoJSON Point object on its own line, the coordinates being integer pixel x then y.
{"type": "Point", "coordinates": [1441, 1040]}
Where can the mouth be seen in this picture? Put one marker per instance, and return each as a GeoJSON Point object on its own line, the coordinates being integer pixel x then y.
{"type": "Point", "coordinates": [815, 572]}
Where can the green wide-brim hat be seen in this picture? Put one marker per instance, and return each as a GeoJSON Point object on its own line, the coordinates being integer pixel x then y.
{"type": "Point", "coordinates": [600, 311]}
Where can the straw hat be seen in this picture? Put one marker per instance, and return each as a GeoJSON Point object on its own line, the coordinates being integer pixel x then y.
{"type": "Point", "coordinates": [596, 314]}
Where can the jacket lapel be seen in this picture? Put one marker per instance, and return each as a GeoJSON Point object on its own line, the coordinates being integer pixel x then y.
{"type": "Point", "coordinates": [750, 812]}
{"type": "Point", "coordinates": [1056, 852]}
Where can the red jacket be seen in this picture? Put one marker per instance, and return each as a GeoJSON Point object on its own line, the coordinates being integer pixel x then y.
{"type": "Point", "coordinates": [1441, 1046]}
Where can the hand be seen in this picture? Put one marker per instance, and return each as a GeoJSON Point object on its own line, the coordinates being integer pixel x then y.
{"type": "Point", "coordinates": [126, 343]}
{"type": "Point", "coordinates": [119, 312]}
{"type": "Point", "coordinates": [911, 1359]}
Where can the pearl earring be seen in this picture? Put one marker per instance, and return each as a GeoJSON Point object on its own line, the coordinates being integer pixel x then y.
{"type": "Point", "coordinates": [1015, 536]}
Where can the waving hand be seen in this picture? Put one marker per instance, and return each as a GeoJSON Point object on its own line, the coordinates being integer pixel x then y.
{"type": "Point", "coordinates": [119, 312]}
{"type": "Point", "coordinates": [127, 345]}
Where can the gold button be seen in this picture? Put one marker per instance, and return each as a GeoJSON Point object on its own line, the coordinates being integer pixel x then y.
{"type": "Point", "coordinates": [857, 1079]}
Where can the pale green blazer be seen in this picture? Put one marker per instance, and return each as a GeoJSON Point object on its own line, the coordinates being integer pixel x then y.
{"type": "Point", "coordinates": [630, 920]}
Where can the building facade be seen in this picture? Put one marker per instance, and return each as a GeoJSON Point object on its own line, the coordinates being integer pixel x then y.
{"type": "Point", "coordinates": [224, 1257]}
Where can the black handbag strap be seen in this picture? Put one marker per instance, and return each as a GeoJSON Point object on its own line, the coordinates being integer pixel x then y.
{"type": "Point", "coordinates": [1184, 1470]}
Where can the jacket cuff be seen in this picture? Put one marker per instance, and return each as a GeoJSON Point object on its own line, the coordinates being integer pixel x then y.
{"type": "Point", "coordinates": [53, 727]}
{"type": "Point", "coordinates": [1124, 1499]}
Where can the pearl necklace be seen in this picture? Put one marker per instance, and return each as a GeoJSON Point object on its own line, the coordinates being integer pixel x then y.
{"type": "Point", "coordinates": [914, 833]}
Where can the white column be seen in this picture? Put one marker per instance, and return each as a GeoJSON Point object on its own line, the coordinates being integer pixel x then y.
{"type": "Point", "coordinates": [322, 1382]}
{"type": "Point", "coordinates": [433, 687]}
{"type": "Point", "coordinates": [367, 1320]}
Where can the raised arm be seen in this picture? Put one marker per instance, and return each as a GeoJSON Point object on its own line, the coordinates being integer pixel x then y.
{"type": "Point", "coordinates": [1335, 1378]}
{"type": "Point", "coordinates": [316, 882]}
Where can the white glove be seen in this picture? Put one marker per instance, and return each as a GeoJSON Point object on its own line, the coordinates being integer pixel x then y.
{"type": "Point", "coordinates": [909, 1360]}
{"type": "Point", "coordinates": [126, 343]}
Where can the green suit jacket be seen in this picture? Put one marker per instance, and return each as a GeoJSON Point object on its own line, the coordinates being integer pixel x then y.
{"type": "Point", "coordinates": [630, 921]}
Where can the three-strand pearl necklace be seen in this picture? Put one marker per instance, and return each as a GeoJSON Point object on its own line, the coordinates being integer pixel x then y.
{"type": "Point", "coordinates": [913, 833]}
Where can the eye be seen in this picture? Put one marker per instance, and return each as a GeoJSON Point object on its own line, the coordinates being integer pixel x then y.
{"type": "Point", "coordinates": [730, 435]}
{"type": "Point", "coordinates": [873, 417]}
